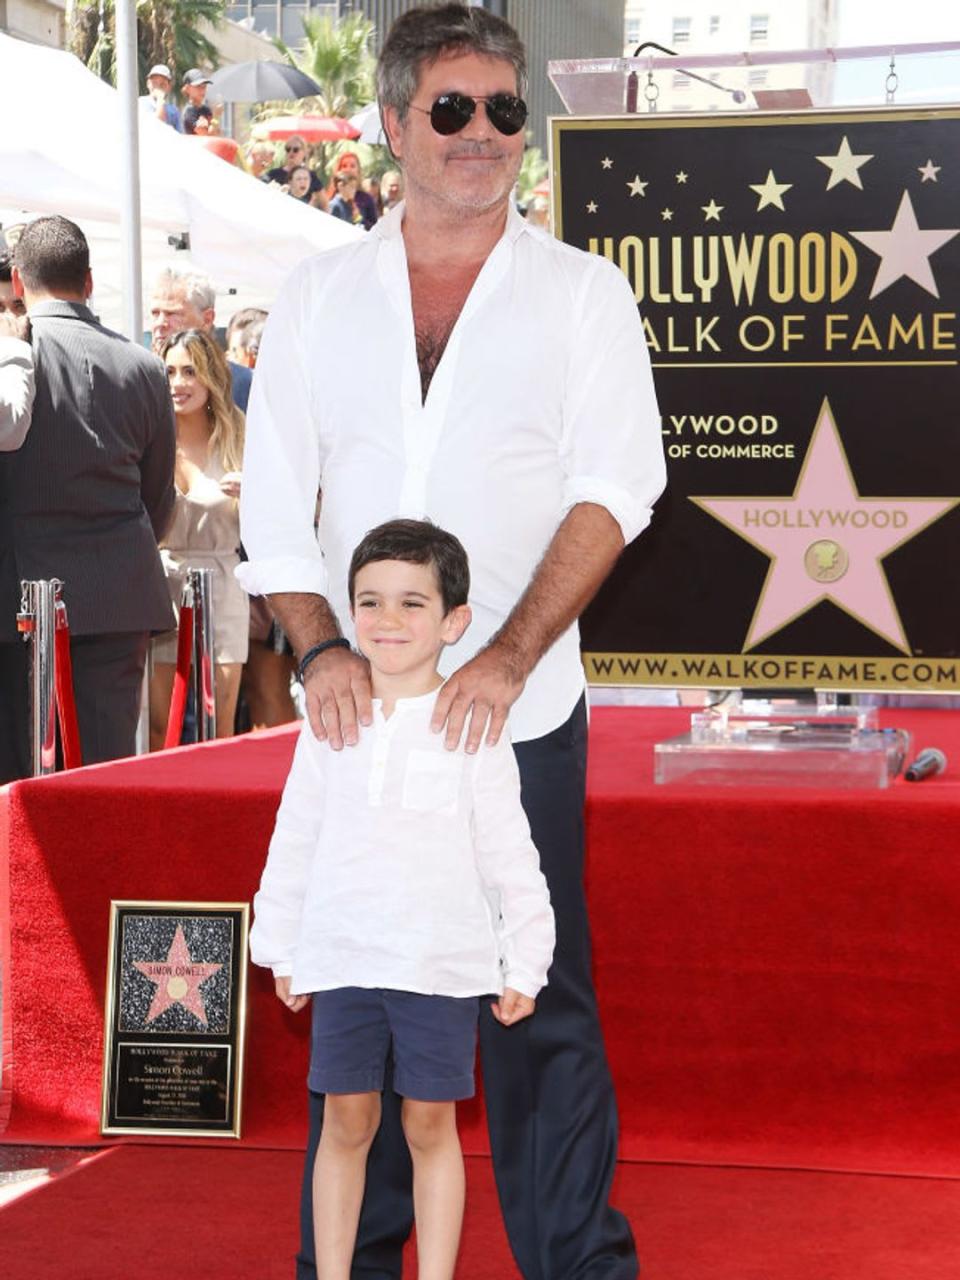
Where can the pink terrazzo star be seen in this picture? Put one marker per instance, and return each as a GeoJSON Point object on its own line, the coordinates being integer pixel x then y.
{"type": "Point", "coordinates": [826, 542]}
{"type": "Point", "coordinates": [178, 979]}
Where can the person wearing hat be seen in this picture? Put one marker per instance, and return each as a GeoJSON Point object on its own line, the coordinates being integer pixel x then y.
{"type": "Point", "coordinates": [154, 101]}
{"type": "Point", "coordinates": [194, 89]}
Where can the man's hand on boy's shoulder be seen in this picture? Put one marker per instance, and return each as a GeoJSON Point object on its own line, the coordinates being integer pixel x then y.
{"type": "Point", "coordinates": [512, 1006]}
{"type": "Point", "coordinates": [294, 1003]}
{"type": "Point", "coordinates": [485, 688]}
{"type": "Point", "coordinates": [339, 701]}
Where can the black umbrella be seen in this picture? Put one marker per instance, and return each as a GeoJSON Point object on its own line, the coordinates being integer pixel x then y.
{"type": "Point", "coordinates": [261, 82]}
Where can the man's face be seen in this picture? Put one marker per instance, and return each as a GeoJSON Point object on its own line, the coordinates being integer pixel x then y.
{"type": "Point", "coordinates": [9, 302]}
{"type": "Point", "coordinates": [158, 82]}
{"type": "Point", "coordinates": [296, 153]}
{"type": "Point", "coordinates": [469, 171]}
{"type": "Point", "coordinates": [391, 189]}
{"type": "Point", "coordinates": [170, 312]}
{"type": "Point", "coordinates": [195, 93]}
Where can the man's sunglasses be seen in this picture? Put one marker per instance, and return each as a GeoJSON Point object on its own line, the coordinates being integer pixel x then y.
{"type": "Point", "coordinates": [452, 112]}
{"type": "Point", "coordinates": [294, 148]}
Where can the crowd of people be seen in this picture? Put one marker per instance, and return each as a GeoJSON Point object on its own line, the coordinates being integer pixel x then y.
{"type": "Point", "coordinates": [198, 429]}
{"type": "Point", "coordinates": [348, 194]}
{"type": "Point", "coordinates": [196, 117]}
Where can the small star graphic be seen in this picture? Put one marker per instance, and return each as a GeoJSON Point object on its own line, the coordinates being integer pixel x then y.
{"type": "Point", "coordinates": [636, 187]}
{"type": "Point", "coordinates": [844, 166]}
{"type": "Point", "coordinates": [770, 192]}
{"type": "Point", "coordinates": [667, 215]}
{"type": "Point", "coordinates": [905, 250]}
{"type": "Point", "coordinates": [712, 211]}
{"type": "Point", "coordinates": [592, 207]}
{"type": "Point", "coordinates": [826, 525]}
{"type": "Point", "coordinates": [929, 171]}
{"type": "Point", "coordinates": [607, 162]}
{"type": "Point", "coordinates": [178, 979]}
{"type": "Point", "coordinates": [681, 176]}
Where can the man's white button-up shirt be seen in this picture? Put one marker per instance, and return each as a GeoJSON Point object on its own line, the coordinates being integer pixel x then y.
{"type": "Point", "coordinates": [543, 399]}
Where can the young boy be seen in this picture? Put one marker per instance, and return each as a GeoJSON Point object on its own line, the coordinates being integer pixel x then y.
{"type": "Point", "coordinates": [401, 885]}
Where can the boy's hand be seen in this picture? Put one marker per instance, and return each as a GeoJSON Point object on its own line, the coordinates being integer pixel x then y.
{"type": "Point", "coordinates": [294, 1003]}
{"type": "Point", "coordinates": [511, 1007]}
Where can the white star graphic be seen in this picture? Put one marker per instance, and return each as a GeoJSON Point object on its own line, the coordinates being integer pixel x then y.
{"type": "Point", "coordinates": [770, 192]}
{"type": "Point", "coordinates": [929, 172]}
{"type": "Point", "coordinates": [712, 211]}
{"type": "Point", "coordinates": [592, 207]}
{"type": "Point", "coordinates": [667, 215]}
{"type": "Point", "coordinates": [844, 166]}
{"type": "Point", "coordinates": [636, 187]}
{"type": "Point", "coordinates": [905, 250]}
{"type": "Point", "coordinates": [681, 176]}
{"type": "Point", "coordinates": [607, 162]}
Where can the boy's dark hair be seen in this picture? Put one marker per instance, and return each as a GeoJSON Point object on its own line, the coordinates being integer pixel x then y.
{"type": "Point", "coordinates": [53, 254]}
{"type": "Point", "coordinates": [417, 542]}
{"type": "Point", "coordinates": [6, 266]}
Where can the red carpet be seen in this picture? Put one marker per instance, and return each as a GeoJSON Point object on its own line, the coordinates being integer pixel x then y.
{"type": "Point", "coordinates": [153, 1213]}
{"type": "Point", "coordinates": [778, 971]}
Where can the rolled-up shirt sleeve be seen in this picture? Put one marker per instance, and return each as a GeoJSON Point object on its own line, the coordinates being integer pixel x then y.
{"type": "Point", "coordinates": [16, 392]}
{"type": "Point", "coordinates": [281, 460]}
{"type": "Point", "coordinates": [612, 450]}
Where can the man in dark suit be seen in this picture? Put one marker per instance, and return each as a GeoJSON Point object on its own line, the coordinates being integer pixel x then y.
{"type": "Point", "coordinates": [84, 499]}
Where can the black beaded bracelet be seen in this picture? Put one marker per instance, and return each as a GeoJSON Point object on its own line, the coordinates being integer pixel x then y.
{"type": "Point", "coordinates": [338, 642]}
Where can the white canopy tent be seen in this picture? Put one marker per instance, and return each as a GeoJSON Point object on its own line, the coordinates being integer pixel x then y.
{"type": "Point", "coordinates": [61, 148]}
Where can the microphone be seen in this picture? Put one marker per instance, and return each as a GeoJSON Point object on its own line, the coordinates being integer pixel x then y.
{"type": "Point", "coordinates": [928, 763]}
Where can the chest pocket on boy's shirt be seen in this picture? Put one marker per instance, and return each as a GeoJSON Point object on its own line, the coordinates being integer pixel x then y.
{"type": "Point", "coordinates": [431, 783]}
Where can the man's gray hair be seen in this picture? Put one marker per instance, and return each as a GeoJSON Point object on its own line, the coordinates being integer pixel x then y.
{"type": "Point", "coordinates": [197, 287]}
{"type": "Point", "coordinates": [420, 37]}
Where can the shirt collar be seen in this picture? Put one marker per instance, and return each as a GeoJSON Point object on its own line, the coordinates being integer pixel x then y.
{"type": "Point", "coordinates": [390, 225]}
{"type": "Point", "coordinates": [65, 310]}
{"type": "Point", "coordinates": [424, 700]}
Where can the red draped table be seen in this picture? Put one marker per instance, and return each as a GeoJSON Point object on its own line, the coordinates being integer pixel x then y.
{"type": "Point", "coordinates": [778, 970]}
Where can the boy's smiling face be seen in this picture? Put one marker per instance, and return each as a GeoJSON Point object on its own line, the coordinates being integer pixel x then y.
{"type": "Point", "coordinates": [401, 625]}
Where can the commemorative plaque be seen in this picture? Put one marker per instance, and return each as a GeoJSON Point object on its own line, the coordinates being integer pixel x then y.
{"type": "Point", "coordinates": [797, 276]}
{"type": "Point", "coordinates": [175, 1018]}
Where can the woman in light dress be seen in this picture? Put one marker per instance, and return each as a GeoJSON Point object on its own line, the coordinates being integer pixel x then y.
{"type": "Point", "coordinates": [205, 532]}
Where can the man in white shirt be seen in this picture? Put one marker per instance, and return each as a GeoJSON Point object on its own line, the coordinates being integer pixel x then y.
{"type": "Point", "coordinates": [525, 422]}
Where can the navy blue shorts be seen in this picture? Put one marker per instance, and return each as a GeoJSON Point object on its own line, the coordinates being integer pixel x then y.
{"type": "Point", "coordinates": [432, 1039]}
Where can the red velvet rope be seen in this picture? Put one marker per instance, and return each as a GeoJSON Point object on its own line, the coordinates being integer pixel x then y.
{"type": "Point", "coordinates": [63, 680]}
{"type": "Point", "coordinates": [178, 700]}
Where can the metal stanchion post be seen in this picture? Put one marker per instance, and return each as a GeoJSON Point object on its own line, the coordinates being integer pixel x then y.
{"type": "Point", "coordinates": [201, 582]}
{"type": "Point", "coordinates": [37, 622]}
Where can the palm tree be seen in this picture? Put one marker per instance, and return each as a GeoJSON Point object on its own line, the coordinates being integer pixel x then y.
{"type": "Point", "coordinates": [168, 31]}
{"type": "Point", "coordinates": [337, 55]}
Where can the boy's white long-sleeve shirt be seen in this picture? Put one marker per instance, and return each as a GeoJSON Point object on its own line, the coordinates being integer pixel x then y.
{"type": "Point", "coordinates": [399, 864]}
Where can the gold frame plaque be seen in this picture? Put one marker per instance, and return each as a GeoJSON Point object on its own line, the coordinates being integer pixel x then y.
{"type": "Point", "coordinates": [175, 1019]}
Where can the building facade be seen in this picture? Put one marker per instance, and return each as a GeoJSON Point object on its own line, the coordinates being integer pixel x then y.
{"type": "Point", "coordinates": [704, 27]}
{"type": "Point", "coordinates": [550, 29]}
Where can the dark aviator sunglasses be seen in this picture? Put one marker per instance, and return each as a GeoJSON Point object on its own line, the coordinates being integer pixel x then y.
{"type": "Point", "coordinates": [452, 112]}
